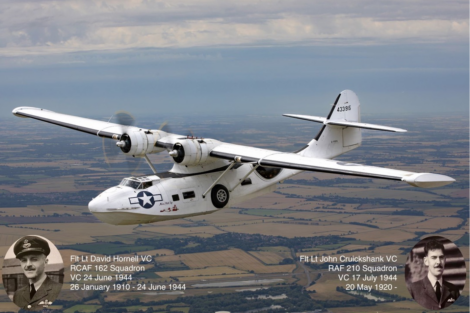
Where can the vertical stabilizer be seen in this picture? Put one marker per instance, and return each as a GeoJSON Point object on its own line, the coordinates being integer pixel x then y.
{"type": "Point", "coordinates": [333, 140]}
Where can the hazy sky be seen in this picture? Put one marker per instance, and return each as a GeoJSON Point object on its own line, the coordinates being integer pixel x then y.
{"type": "Point", "coordinates": [231, 57]}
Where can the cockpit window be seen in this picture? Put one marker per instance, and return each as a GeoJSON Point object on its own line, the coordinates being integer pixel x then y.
{"type": "Point", "coordinates": [145, 185]}
{"type": "Point", "coordinates": [130, 183]}
{"type": "Point", "coordinates": [136, 183]}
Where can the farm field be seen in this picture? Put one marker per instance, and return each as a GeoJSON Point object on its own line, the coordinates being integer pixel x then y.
{"type": "Point", "coordinates": [235, 258]}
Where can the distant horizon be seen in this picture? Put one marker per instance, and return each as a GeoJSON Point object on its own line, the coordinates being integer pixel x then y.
{"type": "Point", "coordinates": [212, 114]}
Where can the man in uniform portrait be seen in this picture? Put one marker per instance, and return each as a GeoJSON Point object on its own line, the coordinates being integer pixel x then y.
{"type": "Point", "coordinates": [432, 292]}
{"type": "Point", "coordinates": [32, 252]}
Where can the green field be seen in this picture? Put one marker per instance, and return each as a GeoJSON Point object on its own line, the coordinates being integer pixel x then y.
{"type": "Point", "coordinates": [330, 247]}
{"type": "Point", "coordinates": [264, 212]}
{"type": "Point", "coordinates": [107, 248]}
{"type": "Point", "coordinates": [129, 239]}
{"type": "Point", "coordinates": [83, 308]}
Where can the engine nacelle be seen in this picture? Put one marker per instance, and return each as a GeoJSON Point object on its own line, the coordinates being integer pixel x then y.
{"type": "Point", "coordinates": [141, 142]}
{"type": "Point", "coordinates": [193, 151]}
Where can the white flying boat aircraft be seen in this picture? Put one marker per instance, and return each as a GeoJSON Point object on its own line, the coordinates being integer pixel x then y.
{"type": "Point", "coordinates": [209, 175]}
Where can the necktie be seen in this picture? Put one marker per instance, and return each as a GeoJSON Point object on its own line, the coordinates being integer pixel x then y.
{"type": "Point", "coordinates": [438, 292]}
{"type": "Point", "coordinates": [32, 292]}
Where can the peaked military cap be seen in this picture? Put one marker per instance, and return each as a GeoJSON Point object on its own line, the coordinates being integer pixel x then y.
{"type": "Point", "coordinates": [31, 244]}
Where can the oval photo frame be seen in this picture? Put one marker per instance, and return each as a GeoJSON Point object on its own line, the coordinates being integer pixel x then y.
{"type": "Point", "coordinates": [17, 285]}
{"type": "Point", "coordinates": [427, 264]}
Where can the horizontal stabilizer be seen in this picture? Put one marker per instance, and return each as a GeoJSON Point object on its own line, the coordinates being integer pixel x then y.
{"type": "Point", "coordinates": [366, 126]}
{"type": "Point", "coordinates": [310, 118]}
{"type": "Point", "coordinates": [326, 121]}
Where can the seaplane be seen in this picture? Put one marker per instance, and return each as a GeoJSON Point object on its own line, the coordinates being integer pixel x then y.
{"type": "Point", "coordinates": [209, 175]}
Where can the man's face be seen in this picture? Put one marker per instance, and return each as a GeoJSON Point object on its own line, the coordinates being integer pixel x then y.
{"type": "Point", "coordinates": [33, 265]}
{"type": "Point", "coordinates": [436, 261]}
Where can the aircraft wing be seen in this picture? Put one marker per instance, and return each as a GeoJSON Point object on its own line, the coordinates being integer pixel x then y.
{"type": "Point", "coordinates": [86, 125]}
{"type": "Point", "coordinates": [270, 158]}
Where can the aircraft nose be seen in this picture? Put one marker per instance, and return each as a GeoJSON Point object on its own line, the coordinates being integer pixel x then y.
{"type": "Point", "coordinates": [102, 201]}
{"type": "Point", "coordinates": [96, 205]}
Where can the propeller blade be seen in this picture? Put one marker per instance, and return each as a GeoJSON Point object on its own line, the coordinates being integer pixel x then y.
{"type": "Point", "coordinates": [189, 133]}
{"type": "Point", "coordinates": [124, 118]}
{"type": "Point", "coordinates": [165, 127]}
{"type": "Point", "coordinates": [113, 156]}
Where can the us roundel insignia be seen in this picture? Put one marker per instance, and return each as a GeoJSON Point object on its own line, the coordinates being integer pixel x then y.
{"type": "Point", "coordinates": [146, 199]}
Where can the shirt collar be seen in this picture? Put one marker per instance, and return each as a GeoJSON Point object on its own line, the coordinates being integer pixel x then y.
{"type": "Point", "coordinates": [433, 280]}
{"type": "Point", "coordinates": [38, 284]}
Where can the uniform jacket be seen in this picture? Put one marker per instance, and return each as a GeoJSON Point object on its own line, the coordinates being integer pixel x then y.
{"type": "Point", "coordinates": [44, 296]}
{"type": "Point", "coordinates": [423, 293]}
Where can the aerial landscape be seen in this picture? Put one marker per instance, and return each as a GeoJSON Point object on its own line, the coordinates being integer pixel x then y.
{"type": "Point", "coordinates": [252, 251]}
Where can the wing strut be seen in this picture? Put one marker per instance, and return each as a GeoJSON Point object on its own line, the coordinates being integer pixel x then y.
{"type": "Point", "coordinates": [150, 164]}
{"type": "Point", "coordinates": [236, 159]}
{"type": "Point", "coordinates": [241, 180]}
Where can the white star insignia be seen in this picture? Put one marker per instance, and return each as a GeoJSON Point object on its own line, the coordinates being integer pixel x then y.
{"type": "Point", "coordinates": [146, 199]}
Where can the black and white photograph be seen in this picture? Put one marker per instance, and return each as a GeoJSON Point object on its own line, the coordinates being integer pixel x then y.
{"type": "Point", "coordinates": [435, 272]}
{"type": "Point", "coordinates": [33, 273]}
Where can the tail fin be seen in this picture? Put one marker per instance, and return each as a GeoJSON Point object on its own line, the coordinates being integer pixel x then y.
{"type": "Point", "coordinates": [341, 131]}
{"type": "Point", "coordinates": [331, 140]}
{"type": "Point", "coordinates": [346, 108]}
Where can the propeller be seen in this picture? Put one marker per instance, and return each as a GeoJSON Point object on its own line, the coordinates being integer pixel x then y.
{"type": "Point", "coordinates": [113, 155]}
{"type": "Point", "coordinates": [165, 127]}
{"type": "Point", "coordinates": [177, 151]}
{"type": "Point", "coordinates": [189, 133]}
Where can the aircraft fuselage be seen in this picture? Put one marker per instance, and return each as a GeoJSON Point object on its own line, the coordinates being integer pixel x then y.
{"type": "Point", "coordinates": [148, 199]}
